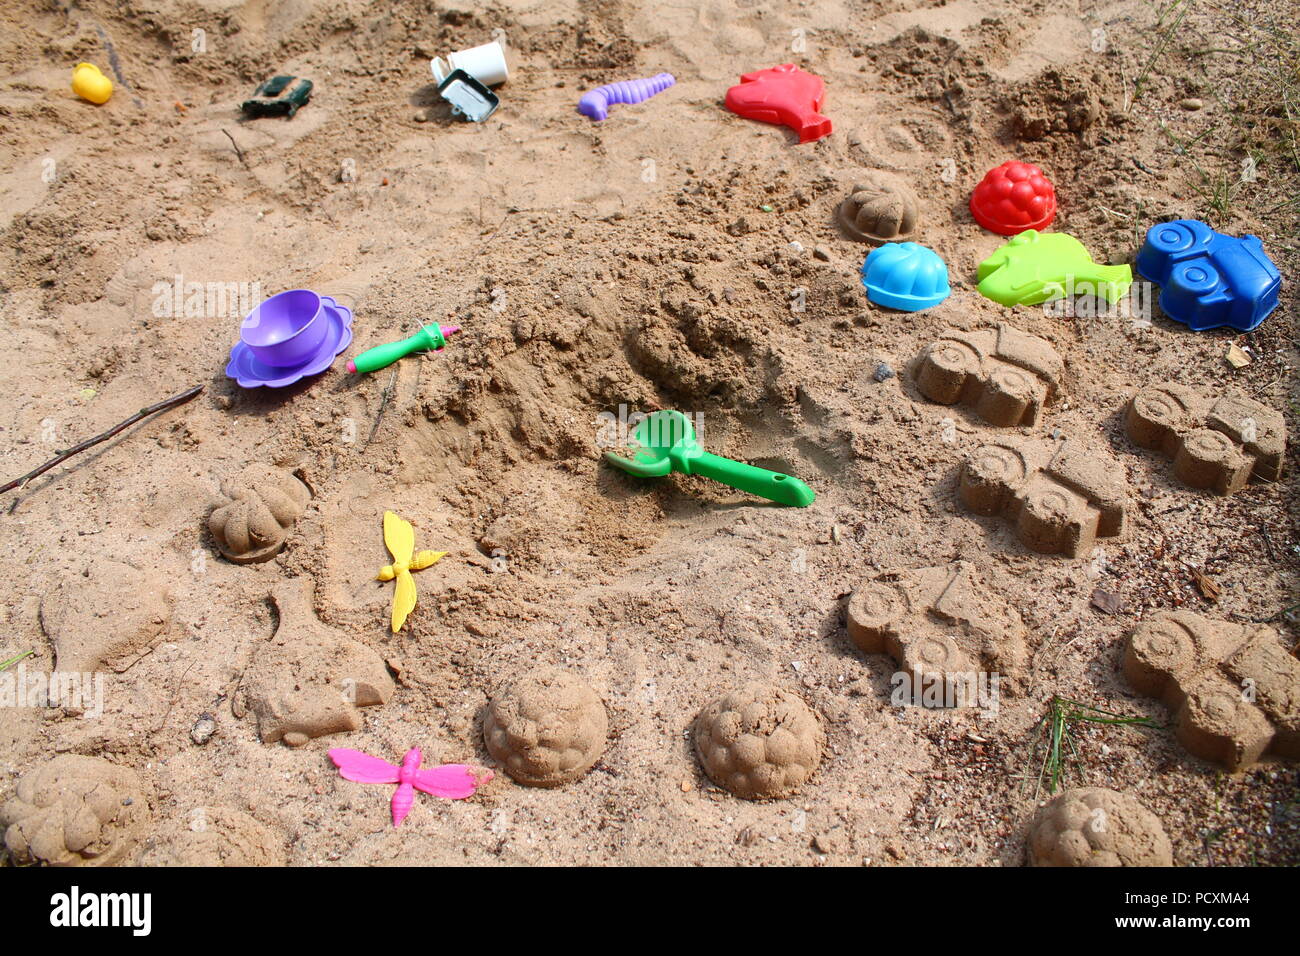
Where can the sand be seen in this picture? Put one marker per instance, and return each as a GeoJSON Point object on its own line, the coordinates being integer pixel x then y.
{"type": "Point", "coordinates": [672, 256]}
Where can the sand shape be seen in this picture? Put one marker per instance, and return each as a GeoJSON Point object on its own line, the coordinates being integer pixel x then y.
{"type": "Point", "coordinates": [263, 503]}
{"type": "Point", "coordinates": [1233, 690]}
{"type": "Point", "coordinates": [938, 621]}
{"type": "Point", "coordinates": [1093, 826]}
{"type": "Point", "coordinates": [214, 836]}
{"type": "Point", "coordinates": [1060, 497]}
{"type": "Point", "coordinates": [759, 742]}
{"type": "Point", "coordinates": [75, 811]}
{"type": "Point", "coordinates": [879, 210]}
{"type": "Point", "coordinates": [547, 729]}
{"type": "Point", "coordinates": [1005, 375]}
{"type": "Point", "coordinates": [1217, 444]}
{"type": "Point", "coordinates": [109, 617]}
{"type": "Point", "coordinates": [309, 680]}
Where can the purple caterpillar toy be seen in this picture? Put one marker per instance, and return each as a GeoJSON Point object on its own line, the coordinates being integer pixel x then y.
{"type": "Point", "coordinates": [596, 103]}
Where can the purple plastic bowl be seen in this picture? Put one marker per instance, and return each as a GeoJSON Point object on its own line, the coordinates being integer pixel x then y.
{"type": "Point", "coordinates": [287, 329]}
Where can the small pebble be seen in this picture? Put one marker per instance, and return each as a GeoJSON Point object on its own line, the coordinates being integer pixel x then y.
{"type": "Point", "coordinates": [203, 729]}
{"type": "Point", "coordinates": [1191, 104]}
{"type": "Point", "coordinates": [821, 252]}
{"type": "Point", "coordinates": [883, 372]}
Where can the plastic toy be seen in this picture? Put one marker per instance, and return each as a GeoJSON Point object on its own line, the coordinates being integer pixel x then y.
{"type": "Point", "coordinates": [451, 781]}
{"type": "Point", "coordinates": [1207, 279]}
{"type": "Point", "coordinates": [399, 537]}
{"type": "Point", "coordinates": [784, 95]}
{"type": "Point", "coordinates": [664, 442]}
{"type": "Point", "coordinates": [596, 103]}
{"type": "Point", "coordinates": [288, 337]}
{"type": "Point", "coordinates": [90, 84]}
{"type": "Point", "coordinates": [430, 337]}
{"type": "Point", "coordinates": [906, 276]}
{"type": "Point", "coordinates": [1012, 198]}
{"type": "Point", "coordinates": [271, 98]}
{"type": "Point", "coordinates": [468, 97]}
{"type": "Point", "coordinates": [1034, 267]}
{"type": "Point", "coordinates": [486, 63]}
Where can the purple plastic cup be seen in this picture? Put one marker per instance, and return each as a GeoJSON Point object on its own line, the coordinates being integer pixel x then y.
{"type": "Point", "coordinates": [287, 329]}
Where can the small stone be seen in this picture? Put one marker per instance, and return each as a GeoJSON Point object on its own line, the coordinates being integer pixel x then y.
{"type": "Point", "coordinates": [894, 851]}
{"type": "Point", "coordinates": [1192, 104]}
{"type": "Point", "coordinates": [420, 116]}
{"type": "Point", "coordinates": [203, 729]}
{"type": "Point", "coordinates": [883, 372]}
{"type": "Point", "coordinates": [1236, 357]}
{"type": "Point", "coordinates": [822, 253]}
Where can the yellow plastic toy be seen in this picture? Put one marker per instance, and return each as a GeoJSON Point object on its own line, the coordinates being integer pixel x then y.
{"type": "Point", "coordinates": [90, 84]}
{"type": "Point", "coordinates": [400, 540]}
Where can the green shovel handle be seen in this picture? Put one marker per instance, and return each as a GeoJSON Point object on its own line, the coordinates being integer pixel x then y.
{"type": "Point", "coordinates": [771, 485]}
{"type": "Point", "coordinates": [371, 360]}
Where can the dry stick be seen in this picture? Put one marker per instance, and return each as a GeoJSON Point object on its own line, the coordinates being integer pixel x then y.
{"type": "Point", "coordinates": [383, 403]}
{"type": "Point", "coordinates": [63, 456]}
{"type": "Point", "coordinates": [238, 152]}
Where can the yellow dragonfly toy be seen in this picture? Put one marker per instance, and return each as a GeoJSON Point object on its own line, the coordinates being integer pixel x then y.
{"type": "Point", "coordinates": [400, 540]}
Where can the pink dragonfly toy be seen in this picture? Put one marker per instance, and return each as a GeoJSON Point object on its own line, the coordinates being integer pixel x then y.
{"type": "Point", "coordinates": [454, 781]}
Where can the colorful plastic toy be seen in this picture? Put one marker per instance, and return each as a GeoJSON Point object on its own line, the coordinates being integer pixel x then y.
{"type": "Point", "coordinates": [451, 781]}
{"type": "Point", "coordinates": [468, 97]}
{"type": "Point", "coordinates": [1012, 198]}
{"type": "Point", "coordinates": [399, 538]}
{"type": "Point", "coordinates": [664, 442]}
{"type": "Point", "coordinates": [288, 337]}
{"type": "Point", "coordinates": [906, 276]}
{"type": "Point", "coordinates": [275, 97]}
{"type": "Point", "coordinates": [596, 103]}
{"type": "Point", "coordinates": [1208, 280]}
{"type": "Point", "coordinates": [784, 95]}
{"type": "Point", "coordinates": [1034, 267]}
{"type": "Point", "coordinates": [430, 337]}
{"type": "Point", "coordinates": [91, 84]}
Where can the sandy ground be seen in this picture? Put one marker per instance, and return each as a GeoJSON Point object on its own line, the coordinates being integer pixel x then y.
{"type": "Point", "coordinates": [645, 261]}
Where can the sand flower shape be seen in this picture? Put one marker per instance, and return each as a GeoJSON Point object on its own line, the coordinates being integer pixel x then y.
{"type": "Point", "coordinates": [74, 811]}
{"type": "Point", "coordinates": [452, 781]}
{"type": "Point", "coordinates": [399, 537]}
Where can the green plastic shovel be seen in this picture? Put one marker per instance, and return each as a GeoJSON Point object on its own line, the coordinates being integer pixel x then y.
{"type": "Point", "coordinates": [665, 442]}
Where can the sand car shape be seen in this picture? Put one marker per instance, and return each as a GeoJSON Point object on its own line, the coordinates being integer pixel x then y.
{"type": "Point", "coordinates": [1208, 280]}
{"type": "Point", "coordinates": [1216, 444]}
{"type": "Point", "coordinates": [1060, 497]}
{"type": "Point", "coordinates": [1233, 690]}
{"type": "Point", "coordinates": [938, 621]}
{"type": "Point", "coordinates": [1004, 374]}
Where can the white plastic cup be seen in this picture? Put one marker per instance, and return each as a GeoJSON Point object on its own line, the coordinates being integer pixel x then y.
{"type": "Point", "coordinates": [486, 63]}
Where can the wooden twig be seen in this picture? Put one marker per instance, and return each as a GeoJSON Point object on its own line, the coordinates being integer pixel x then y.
{"type": "Point", "coordinates": [63, 456]}
{"type": "Point", "coordinates": [383, 403]}
{"type": "Point", "coordinates": [238, 152]}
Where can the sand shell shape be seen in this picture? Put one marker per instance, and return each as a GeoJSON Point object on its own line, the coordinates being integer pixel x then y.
{"type": "Point", "coordinates": [263, 504]}
{"type": "Point", "coordinates": [878, 211]}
